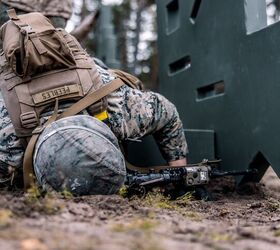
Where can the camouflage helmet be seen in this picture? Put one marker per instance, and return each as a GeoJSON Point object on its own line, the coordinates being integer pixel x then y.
{"type": "Point", "coordinates": [79, 154]}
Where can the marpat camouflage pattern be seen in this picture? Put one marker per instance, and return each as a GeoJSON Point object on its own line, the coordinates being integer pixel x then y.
{"type": "Point", "coordinates": [54, 8]}
{"type": "Point", "coordinates": [132, 114]}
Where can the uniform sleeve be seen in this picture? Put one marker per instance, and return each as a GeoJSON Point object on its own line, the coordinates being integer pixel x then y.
{"type": "Point", "coordinates": [169, 133]}
{"type": "Point", "coordinates": [134, 114]}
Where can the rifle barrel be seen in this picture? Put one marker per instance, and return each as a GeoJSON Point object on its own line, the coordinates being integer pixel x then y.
{"type": "Point", "coordinates": [216, 174]}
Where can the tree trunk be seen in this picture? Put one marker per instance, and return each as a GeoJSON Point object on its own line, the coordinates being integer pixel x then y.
{"type": "Point", "coordinates": [141, 7]}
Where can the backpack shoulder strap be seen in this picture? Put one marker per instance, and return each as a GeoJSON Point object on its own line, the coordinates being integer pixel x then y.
{"type": "Point", "coordinates": [92, 98]}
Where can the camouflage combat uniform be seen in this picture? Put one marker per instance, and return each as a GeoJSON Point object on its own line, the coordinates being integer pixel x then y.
{"type": "Point", "coordinates": [132, 114]}
{"type": "Point", "coordinates": [58, 11]}
{"type": "Point", "coordinates": [46, 7]}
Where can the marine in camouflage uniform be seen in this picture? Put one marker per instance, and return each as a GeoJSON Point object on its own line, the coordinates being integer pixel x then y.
{"type": "Point", "coordinates": [132, 114]}
{"type": "Point", "coordinates": [57, 11]}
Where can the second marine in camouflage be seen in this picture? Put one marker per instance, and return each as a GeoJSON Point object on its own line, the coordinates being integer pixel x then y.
{"type": "Point", "coordinates": [56, 10]}
{"type": "Point", "coordinates": [46, 7]}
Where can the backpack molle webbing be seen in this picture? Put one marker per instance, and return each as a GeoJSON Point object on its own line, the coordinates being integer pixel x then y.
{"type": "Point", "coordinates": [32, 45]}
{"type": "Point", "coordinates": [28, 94]}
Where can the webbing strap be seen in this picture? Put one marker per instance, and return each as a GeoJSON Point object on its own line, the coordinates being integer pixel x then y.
{"type": "Point", "coordinates": [146, 169]}
{"type": "Point", "coordinates": [18, 22]}
{"type": "Point", "coordinates": [28, 171]}
{"type": "Point", "coordinates": [12, 14]}
{"type": "Point", "coordinates": [38, 45]}
{"type": "Point", "coordinates": [92, 98]}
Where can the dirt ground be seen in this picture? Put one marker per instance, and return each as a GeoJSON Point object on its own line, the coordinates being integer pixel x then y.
{"type": "Point", "coordinates": [111, 222]}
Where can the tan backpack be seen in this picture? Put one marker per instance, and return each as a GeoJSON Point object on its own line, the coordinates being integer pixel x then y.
{"type": "Point", "coordinates": [43, 66]}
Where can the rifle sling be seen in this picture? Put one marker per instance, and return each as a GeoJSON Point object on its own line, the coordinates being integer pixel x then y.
{"type": "Point", "coordinates": [148, 169]}
{"type": "Point", "coordinates": [28, 171]}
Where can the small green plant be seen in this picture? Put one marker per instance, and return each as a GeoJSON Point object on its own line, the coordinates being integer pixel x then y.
{"type": "Point", "coordinates": [157, 200]}
{"type": "Point", "coordinates": [5, 218]}
{"type": "Point", "coordinates": [221, 237]}
{"type": "Point", "coordinates": [144, 225]}
{"type": "Point", "coordinates": [273, 205]}
{"type": "Point", "coordinates": [44, 202]}
{"type": "Point", "coordinates": [66, 194]}
{"type": "Point", "coordinates": [33, 194]}
{"type": "Point", "coordinates": [277, 233]}
{"type": "Point", "coordinates": [50, 204]}
{"type": "Point", "coordinates": [184, 199]}
{"type": "Point", "coordinates": [123, 191]}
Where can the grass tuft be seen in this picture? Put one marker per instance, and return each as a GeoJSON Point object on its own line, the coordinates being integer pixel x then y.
{"type": "Point", "coordinates": [5, 218]}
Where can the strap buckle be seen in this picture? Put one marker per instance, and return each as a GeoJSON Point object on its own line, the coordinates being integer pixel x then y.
{"type": "Point", "coordinates": [29, 119]}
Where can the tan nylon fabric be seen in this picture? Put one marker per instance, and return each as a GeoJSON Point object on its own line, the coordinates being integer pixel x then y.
{"type": "Point", "coordinates": [59, 8]}
{"type": "Point", "coordinates": [148, 168]}
{"type": "Point", "coordinates": [32, 45]}
{"type": "Point", "coordinates": [28, 172]}
{"type": "Point", "coordinates": [27, 97]}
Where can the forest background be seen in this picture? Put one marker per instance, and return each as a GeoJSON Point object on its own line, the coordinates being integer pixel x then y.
{"type": "Point", "coordinates": [135, 26]}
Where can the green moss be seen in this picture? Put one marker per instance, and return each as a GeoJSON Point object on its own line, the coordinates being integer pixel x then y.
{"type": "Point", "coordinates": [123, 191]}
{"type": "Point", "coordinates": [273, 205]}
{"type": "Point", "coordinates": [50, 205]}
{"type": "Point", "coordinates": [183, 201]}
{"type": "Point", "coordinates": [66, 194]}
{"type": "Point", "coordinates": [144, 225]}
{"type": "Point", "coordinates": [192, 215]}
{"type": "Point", "coordinates": [47, 202]}
{"type": "Point", "coordinates": [146, 244]}
{"type": "Point", "coordinates": [119, 228]}
{"type": "Point", "coordinates": [5, 218]}
{"type": "Point", "coordinates": [277, 233]}
{"type": "Point", "coordinates": [157, 200]}
{"type": "Point", "coordinates": [33, 194]}
{"type": "Point", "coordinates": [221, 237]}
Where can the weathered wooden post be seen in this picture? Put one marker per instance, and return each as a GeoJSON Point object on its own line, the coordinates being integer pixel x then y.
{"type": "Point", "coordinates": [106, 39]}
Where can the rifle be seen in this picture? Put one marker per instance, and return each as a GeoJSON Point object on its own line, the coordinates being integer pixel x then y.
{"type": "Point", "coordinates": [179, 180]}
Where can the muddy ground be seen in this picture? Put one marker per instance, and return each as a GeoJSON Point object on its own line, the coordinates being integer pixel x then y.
{"type": "Point", "coordinates": [233, 221]}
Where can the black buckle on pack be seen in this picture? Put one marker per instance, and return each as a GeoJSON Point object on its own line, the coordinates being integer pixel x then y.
{"type": "Point", "coordinates": [29, 119]}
